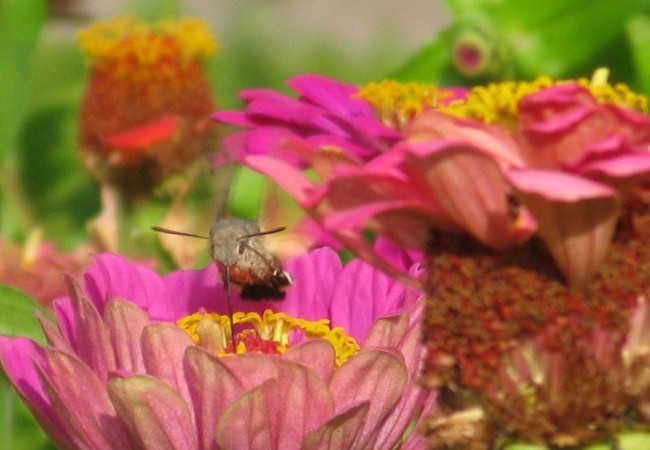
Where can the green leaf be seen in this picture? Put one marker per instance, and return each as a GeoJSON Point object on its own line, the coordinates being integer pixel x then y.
{"type": "Point", "coordinates": [17, 316]}
{"type": "Point", "coordinates": [525, 447]}
{"type": "Point", "coordinates": [20, 431]}
{"type": "Point", "coordinates": [473, 9]}
{"type": "Point", "coordinates": [246, 193]}
{"type": "Point", "coordinates": [563, 44]}
{"type": "Point", "coordinates": [638, 32]}
{"type": "Point", "coordinates": [61, 193]}
{"type": "Point", "coordinates": [633, 441]}
{"type": "Point", "coordinates": [20, 25]}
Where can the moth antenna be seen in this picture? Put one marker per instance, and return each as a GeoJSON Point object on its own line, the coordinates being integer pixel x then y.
{"type": "Point", "coordinates": [262, 233]}
{"type": "Point", "coordinates": [178, 233]}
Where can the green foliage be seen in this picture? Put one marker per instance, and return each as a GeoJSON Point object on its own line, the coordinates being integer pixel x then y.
{"type": "Point", "coordinates": [532, 37]}
{"type": "Point", "coordinates": [19, 429]}
{"type": "Point", "coordinates": [17, 314]}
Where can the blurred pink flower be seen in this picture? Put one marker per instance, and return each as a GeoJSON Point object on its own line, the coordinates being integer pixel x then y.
{"type": "Point", "coordinates": [141, 382]}
{"type": "Point", "coordinates": [326, 114]}
{"type": "Point", "coordinates": [560, 170]}
{"type": "Point", "coordinates": [37, 268]}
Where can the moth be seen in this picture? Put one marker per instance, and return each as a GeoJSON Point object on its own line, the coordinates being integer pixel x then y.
{"type": "Point", "coordinates": [237, 248]}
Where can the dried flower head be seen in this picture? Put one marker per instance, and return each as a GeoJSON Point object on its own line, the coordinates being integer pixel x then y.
{"type": "Point", "coordinates": [144, 113]}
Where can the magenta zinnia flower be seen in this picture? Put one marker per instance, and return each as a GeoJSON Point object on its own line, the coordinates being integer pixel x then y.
{"type": "Point", "coordinates": [334, 367]}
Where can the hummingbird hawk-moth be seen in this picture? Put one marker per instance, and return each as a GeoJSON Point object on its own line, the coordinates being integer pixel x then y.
{"type": "Point", "coordinates": [237, 247]}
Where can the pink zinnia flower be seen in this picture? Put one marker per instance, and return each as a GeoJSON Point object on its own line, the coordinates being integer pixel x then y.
{"type": "Point", "coordinates": [36, 267]}
{"type": "Point", "coordinates": [326, 114]}
{"type": "Point", "coordinates": [532, 211]}
{"type": "Point", "coordinates": [141, 381]}
{"type": "Point", "coordinates": [561, 168]}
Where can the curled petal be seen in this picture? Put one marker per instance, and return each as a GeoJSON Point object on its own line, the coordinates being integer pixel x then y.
{"type": "Point", "coordinates": [155, 415]}
{"type": "Point", "coordinates": [246, 424]}
{"type": "Point", "coordinates": [251, 369]}
{"type": "Point", "coordinates": [317, 354]}
{"type": "Point", "coordinates": [339, 432]}
{"type": "Point", "coordinates": [576, 218]}
{"type": "Point", "coordinates": [83, 405]}
{"type": "Point", "coordinates": [125, 323]}
{"type": "Point", "coordinates": [93, 344]}
{"type": "Point", "coordinates": [492, 140]}
{"type": "Point", "coordinates": [163, 346]}
{"type": "Point", "coordinates": [303, 404]}
{"type": "Point", "coordinates": [22, 359]}
{"type": "Point", "coordinates": [468, 185]}
{"type": "Point", "coordinates": [376, 375]}
{"type": "Point", "coordinates": [212, 388]}
{"type": "Point", "coordinates": [55, 339]}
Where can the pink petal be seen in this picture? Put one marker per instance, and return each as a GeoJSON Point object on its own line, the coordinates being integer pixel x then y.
{"type": "Point", "coordinates": [213, 387]}
{"type": "Point", "coordinates": [468, 185]}
{"type": "Point", "coordinates": [288, 110]}
{"type": "Point", "coordinates": [156, 416]}
{"type": "Point", "coordinates": [195, 289]}
{"type": "Point", "coordinates": [626, 168]}
{"type": "Point", "coordinates": [329, 94]}
{"type": "Point", "coordinates": [125, 323]}
{"type": "Point", "coordinates": [111, 276]}
{"type": "Point", "coordinates": [363, 294]}
{"type": "Point", "coordinates": [21, 359]}
{"type": "Point", "coordinates": [317, 354]}
{"type": "Point", "coordinates": [368, 252]}
{"type": "Point", "coordinates": [163, 347]}
{"type": "Point", "coordinates": [278, 143]}
{"type": "Point", "coordinates": [287, 176]}
{"type": "Point", "coordinates": [55, 339]}
{"type": "Point", "coordinates": [315, 274]}
{"type": "Point", "coordinates": [302, 405]}
{"type": "Point", "coordinates": [492, 140]}
{"type": "Point", "coordinates": [81, 402]}
{"type": "Point", "coordinates": [340, 105]}
{"type": "Point", "coordinates": [576, 218]}
{"type": "Point", "coordinates": [414, 396]}
{"type": "Point", "coordinates": [251, 369]}
{"type": "Point", "coordinates": [377, 376]}
{"type": "Point", "coordinates": [246, 423]}
{"type": "Point", "coordinates": [93, 345]}
{"type": "Point", "coordinates": [341, 431]}
{"type": "Point", "coordinates": [386, 332]}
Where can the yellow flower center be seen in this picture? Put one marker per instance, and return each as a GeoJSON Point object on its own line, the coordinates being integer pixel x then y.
{"type": "Point", "coordinates": [396, 104]}
{"type": "Point", "coordinates": [138, 51]}
{"type": "Point", "coordinates": [497, 103]}
{"type": "Point", "coordinates": [271, 333]}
